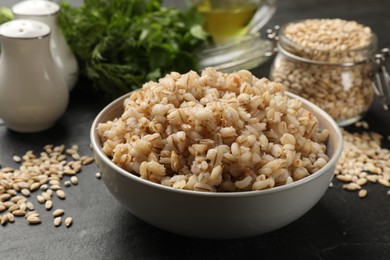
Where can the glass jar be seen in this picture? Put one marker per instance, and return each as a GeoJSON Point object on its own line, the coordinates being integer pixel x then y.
{"type": "Point", "coordinates": [227, 19]}
{"type": "Point", "coordinates": [338, 81]}
{"type": "Point", "coordinates": [234, 27]}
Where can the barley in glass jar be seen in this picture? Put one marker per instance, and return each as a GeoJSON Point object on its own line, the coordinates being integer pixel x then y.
{"type": "Point", "coordinates": [330, 62]}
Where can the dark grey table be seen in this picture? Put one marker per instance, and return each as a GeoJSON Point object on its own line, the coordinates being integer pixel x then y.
{"type": "Point", "coordinates": [340, 226]}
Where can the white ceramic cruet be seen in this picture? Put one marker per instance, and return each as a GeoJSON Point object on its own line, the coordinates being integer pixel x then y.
{"type": "Point", "coordinates": [33, 95]}
{"type": "Point", "coordinates": [47, 12]}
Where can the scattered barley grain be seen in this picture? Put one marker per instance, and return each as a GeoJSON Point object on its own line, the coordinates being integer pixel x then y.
{"type": "Point", "coordinates": [57, 221]}
{"type": "Point", "coordinates": [68, 221]}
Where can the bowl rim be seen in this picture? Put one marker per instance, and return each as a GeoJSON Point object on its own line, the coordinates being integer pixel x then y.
{"type": "Point", "coordinates": [332, 162]}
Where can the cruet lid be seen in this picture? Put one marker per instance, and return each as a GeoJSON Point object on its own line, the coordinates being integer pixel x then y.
{"type": "Point", "coordinates": [35, 7]}
{"type": "Point", "coordinates": [24, 29]}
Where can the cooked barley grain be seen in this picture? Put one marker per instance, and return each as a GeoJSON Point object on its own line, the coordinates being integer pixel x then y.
{"type": "Point", "coordinates": [178, 131]}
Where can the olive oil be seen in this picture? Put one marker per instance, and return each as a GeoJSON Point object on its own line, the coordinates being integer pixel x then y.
{"type": "Point", "coordinates": [225, 20]}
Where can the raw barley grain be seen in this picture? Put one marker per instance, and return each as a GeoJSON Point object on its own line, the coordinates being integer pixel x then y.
{"type": "Point", "coordinates": [74, 180]}
{"type": "Point", "coordinates": [30, 206]}
{"type": "Point", "coordinates": [44, 187]}
{"type": "Point", "coordinates": [49, 192]}
{"type": "Point", "coordinates": [17, 198]}
{"type": "Point", "coordinates": [4, 220]}
{"type": "Point", "coordinates": [364, 159]}
{"type": "Point", "coordinates": [19, 213]}
{"type": "Point", "coordinates": [7, 169]}
{"type": "Point", "coordinates": [46, 195]}
{"type": "Point", "coordinates": [11, 217]}
{"type": "Point", "coordinates": [4, 197]}
{"type": "Point", "coordinates": [87, 160]}
{"type": "Point", "coordinates": [384, 182]}
{"type": "Point", "coordinates": [41, 199]}
{"type": "Point", "coordinates": [16, 159]}
{"type": "Point", "coordinates": [23, 206]}
{"type": "Point", "coordinates": [8, 204]}
{"type": "Point", "coordinates": [372, 178]}
{"type": "Point", "coordinates": [60, 194]}
{"type": "Point", "coordinates": [12, 192]}
{"type": "Point", "coordinates": [344, 178]}
{"type": "Point", "coordinates": [55, 182]}
{"type": "Point", "coordinates": [68, 221]}
{"type": "Point", "coordinates": [31, 213]}
{"type": "Point", "coordinates": [25, 192]}
{"type": "Point", "coordinates": [69, 172]}
{"type": "Point", "coordinates": [58, 212]}
{"type": "Point", "coordinates": [57, 221]}
{"type": "Point", "coordinates": [352, 186]}
{"type": "Point", "coordinates": [361, 181]}
{"type": "Point", "coordinates": [55, 187]}
{"type": "Point", "coordinates": [49, 204]}
{"type": "Point", "coordinates": [34, 220]}
{"type": "Point", "coordinates": [13, 207]}
{"type": "Point", "coordinates": [34, 186]}
{"type": "Point", "coordinates": [362, 193]}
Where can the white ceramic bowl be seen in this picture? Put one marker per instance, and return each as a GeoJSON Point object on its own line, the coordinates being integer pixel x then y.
{"type": "Point", "coordinates": [216, 215]}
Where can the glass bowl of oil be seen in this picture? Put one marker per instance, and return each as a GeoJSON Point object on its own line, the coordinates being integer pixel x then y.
{"type": "Point", "coordinates": [234, 26]}
{"type": "Point", "coordinates": [243, 52]}
{"type": "Point", "coordinates": [226, 19]}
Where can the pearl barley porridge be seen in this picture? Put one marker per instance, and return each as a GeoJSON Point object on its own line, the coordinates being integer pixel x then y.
{"type": "Point", "coordinates": [215, 132]}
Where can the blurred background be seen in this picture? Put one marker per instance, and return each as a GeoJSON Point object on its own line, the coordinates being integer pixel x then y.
{"type": "Point", "coordinates": [360, 10]}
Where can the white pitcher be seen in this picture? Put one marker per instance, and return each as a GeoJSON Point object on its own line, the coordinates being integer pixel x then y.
{"type": "Point", "coordinates": [33, 95]}
{"type": "Point", "coordinates": [47, 12]}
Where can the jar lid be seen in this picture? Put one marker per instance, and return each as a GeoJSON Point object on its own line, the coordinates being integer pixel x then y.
{"type": "Point", "coordinates": [243, 52]}
{"type": "Point", "coordinates": [24, 29]}
{"type": "Point", "coordinates": [35, 7]}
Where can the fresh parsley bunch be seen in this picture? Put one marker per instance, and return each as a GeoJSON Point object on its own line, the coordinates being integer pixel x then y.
{"type": "Point", "coordinates": [121, 44]}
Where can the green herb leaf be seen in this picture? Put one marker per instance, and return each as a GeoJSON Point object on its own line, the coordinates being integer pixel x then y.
{"type": "Point", "coordinates": [5, 15]}
{"type": "Point", "coordinates": [121, 44]}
